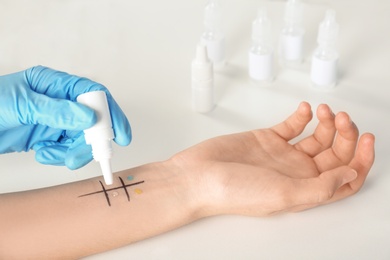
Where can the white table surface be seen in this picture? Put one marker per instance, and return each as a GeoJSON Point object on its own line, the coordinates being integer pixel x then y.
{"type": "Point", "coordinates": [141, 50]}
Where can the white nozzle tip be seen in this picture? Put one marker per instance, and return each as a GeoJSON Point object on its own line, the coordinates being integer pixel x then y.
{"type": "Point", "coordinates": [294, 11]}
{"type": "Point", "coordinates": [201, 53]}
{"type": "Point", "coordinates": [105, 165]}
{"type": "Point", "coordinates": [261, 12]}
{"type": "Point", "coordinates": [330, 14]}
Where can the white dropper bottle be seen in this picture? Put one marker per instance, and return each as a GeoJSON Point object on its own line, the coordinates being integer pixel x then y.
{"type": "Point", "coordinates": [202, 81]}
{"type": "Point", "coordinates": [213, 36]}
{"type": "Point", "coordinates": [324, 60]}
{"type": "Point", "coordinates": [292, 35]}
{"type": "Point", "coordinates": [100, 135]}
{"type": "Point", "coordinates": [261, 52]}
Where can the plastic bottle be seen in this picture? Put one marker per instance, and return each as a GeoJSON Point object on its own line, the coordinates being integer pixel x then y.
{"type": "Point", "coordinates": [261, 52]}
{"type": "Point", "coordinates": [202, 81]}
{"type": "Point", "coordinates": [213, 36]}
{"type": "Point", "coordinates": [292, 35]}
{"type": "Point", "coordinates": [100, 135]}
{"type": "Point", "coordinates": [324, 60]}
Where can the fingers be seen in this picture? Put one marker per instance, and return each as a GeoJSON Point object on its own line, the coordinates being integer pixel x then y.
{"type": "Point", "coordinates": [362, 163]}
{"type": "Point", "coordinates": [56, 113]}
{"type": "Point", "coordinates": [346, 139]}
{"type": "Point", "coordinates": [120, 124]}
{"type": "Point", "coordinates": [324, 134]}
{"type": "Point", "coordinates": [338, 183]}
{"type": "Point", "coordinates": [58, 84]}
{"type": "Point", "coordinates": [74, 154]}
{"type": "Point", "coordinates": [344, 145]}
{"type": "Point", "coordinates": [61, 85]}
{"type": "Point", "coordinates": [321, 189]}
{"type": "Point", "coordinates": [295, 123]}
{"type": "Point", "coordinates": [51, 155]}
{"type": "Point", "coordinates": [79, 154]}
{"type": "Point", "coordinates": [364, 157]}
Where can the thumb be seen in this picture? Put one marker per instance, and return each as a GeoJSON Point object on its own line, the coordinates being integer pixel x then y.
{"type": "Point", "coordinates": [57, 113]}
{"type": "Point", "coordinates": [320, 189]}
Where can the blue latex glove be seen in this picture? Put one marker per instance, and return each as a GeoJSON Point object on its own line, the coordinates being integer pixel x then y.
{"type": "Point", "coordinates": [38, 111]}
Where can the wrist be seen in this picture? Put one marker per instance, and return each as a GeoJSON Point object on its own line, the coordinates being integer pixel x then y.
{"type": "Point", "coordinates": [200, 189]}
{"type": "Point", "coordinates": [182, 184]}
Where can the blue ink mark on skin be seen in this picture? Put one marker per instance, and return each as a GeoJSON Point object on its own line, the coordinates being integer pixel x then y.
{"type": "Point", "coordinates": [130, 178]}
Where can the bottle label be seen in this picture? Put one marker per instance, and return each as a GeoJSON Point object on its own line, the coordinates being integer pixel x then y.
{"type": "Point", "coordinates": [323, 72]}
{"type": "Point", "coordinates": [260, 66]}
{"type": "Point", "coordinates": [292, 47]}
{"type": "Point", "coordinates": [202, 98]}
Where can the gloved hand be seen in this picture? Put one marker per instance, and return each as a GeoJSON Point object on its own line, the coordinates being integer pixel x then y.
{"type": "Point", "coordinates": [38, 110]}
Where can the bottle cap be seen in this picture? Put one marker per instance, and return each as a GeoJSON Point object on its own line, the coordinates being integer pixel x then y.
{"type": "Point", "coordinates": [329, 28]}
{"type": "Point", "coordinates": [293, 12]}
{"type": "Point", "coordinates": [202, 67]}
{"type": "Point", "coordinates": [212, 15]}
{"type": "Point", "coordinates": [99, 136]}
{"type": "Point", "coordinates": [261, 27]}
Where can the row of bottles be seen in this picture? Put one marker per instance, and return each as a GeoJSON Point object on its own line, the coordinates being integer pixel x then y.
{"type": "Point", "coordinates": [323, 73]}
{"type": "Point", "coordinates": [210, 51]}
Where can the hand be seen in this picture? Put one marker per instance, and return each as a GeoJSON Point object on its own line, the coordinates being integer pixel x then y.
{"type": "Point", "coordinates": [39, 112]}
{"type": "Point", "coordinates": [260, 173]}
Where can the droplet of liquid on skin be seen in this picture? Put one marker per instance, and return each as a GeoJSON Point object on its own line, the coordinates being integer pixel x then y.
{"type": "Point", "coordinates": [114, 194]}
{"type": "Point", "coordinates": [138, 191]}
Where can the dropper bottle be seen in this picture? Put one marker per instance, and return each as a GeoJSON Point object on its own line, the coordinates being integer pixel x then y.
{"type": "Point", "coordinates": [261, 52]}
{"type": "Point", "coordinates": [324, 60]}
{"type": "Point", "coordinates": [213, 36]}
{"type": "Point", "coordinates": [202, 81]}
{"type": "Point", "coordinates": [100, 135]}
{"type": "Point", "coordinates": [292, 35]}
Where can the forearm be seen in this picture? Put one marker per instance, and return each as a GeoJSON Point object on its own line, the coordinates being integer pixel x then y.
{"type": "Point", "coordinates": [255, 173]}
{"type": "Point", "coordinates": [82, 218]}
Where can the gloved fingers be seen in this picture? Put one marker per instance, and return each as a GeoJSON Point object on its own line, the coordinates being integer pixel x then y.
{"type": "Point", "coordinates": [58, 84]}
{"type": "Point", "coordinates": [79, 154]}
{"type": "Point", "coordinates": [65, 86]}
{"type": "Point", "coordinates": [120, 124]}
{"type": "Point", "coordinates": [74, 154]}
{"type": "Point", "coordinates": [17, 139]}
{"type": "Point", "coordinates": [52, 155]}
{"type": "Point", "coordinates": [56, 113]}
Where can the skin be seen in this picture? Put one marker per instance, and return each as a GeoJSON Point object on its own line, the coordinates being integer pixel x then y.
{"type": "Point", "coordinates": [256, 173]}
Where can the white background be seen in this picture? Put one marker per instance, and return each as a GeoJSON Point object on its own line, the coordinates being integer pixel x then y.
{"type": "Point", "coordinates": [142, 50]}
